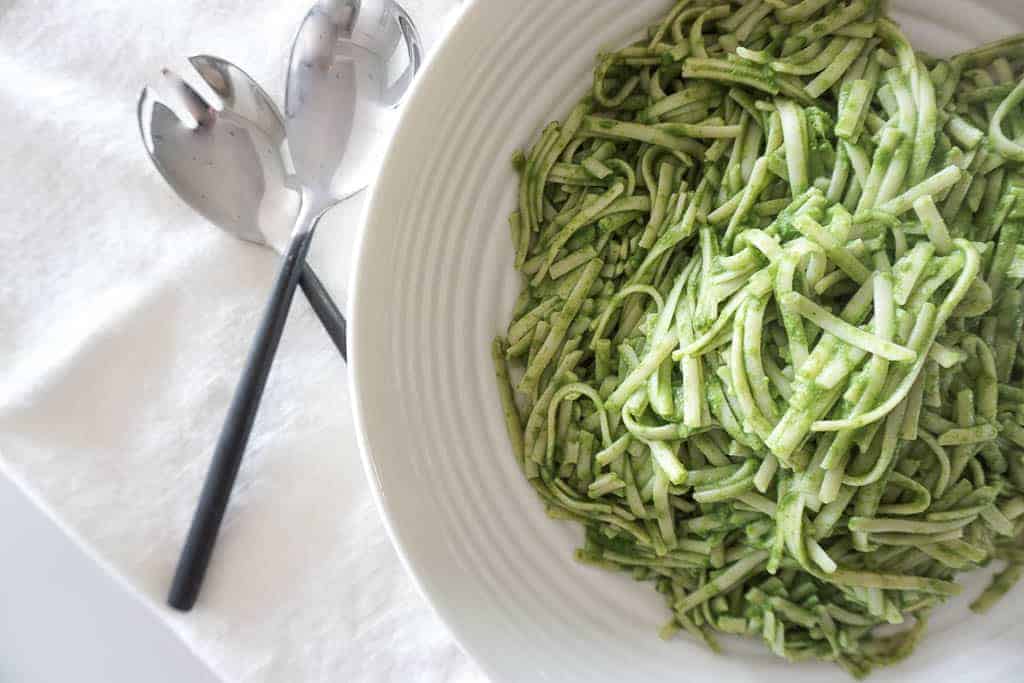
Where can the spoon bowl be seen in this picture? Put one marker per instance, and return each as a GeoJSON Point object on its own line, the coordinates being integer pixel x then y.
{"type": "Point", "coordinates": [352, 62]}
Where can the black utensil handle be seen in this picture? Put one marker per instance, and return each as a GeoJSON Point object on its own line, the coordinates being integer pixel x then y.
{"type": "Point", "coordinates": [325, 308]}
{"type": "Point", "coordinates": [195, 556]}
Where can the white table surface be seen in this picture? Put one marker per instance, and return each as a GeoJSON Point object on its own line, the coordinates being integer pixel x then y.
{"type": "Point", "coordinates": [63, 618]}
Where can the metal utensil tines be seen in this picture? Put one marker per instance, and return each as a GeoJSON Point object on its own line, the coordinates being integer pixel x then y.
{"type": "Point", "coordinates": [227, 160]}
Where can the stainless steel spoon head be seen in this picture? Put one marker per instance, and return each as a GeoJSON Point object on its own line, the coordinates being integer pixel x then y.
{"type": "Point", "coordinates": [352, 62]}
{"type": "Point", "coordinates": [230, 163]}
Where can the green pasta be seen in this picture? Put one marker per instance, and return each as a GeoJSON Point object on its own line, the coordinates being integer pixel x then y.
{"type": "Point", "coordinates": [768, 351]}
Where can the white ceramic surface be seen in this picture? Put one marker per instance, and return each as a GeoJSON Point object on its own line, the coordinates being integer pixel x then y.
{"type": "Point", "coordinates": [434, 283]}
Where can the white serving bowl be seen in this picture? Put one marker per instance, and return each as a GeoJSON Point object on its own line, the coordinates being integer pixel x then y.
{"type": "Point", "coordinates": [432, 286]}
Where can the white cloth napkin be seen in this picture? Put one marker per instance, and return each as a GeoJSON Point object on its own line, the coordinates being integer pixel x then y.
{"type": "Point", "coordinates": [124, 321]}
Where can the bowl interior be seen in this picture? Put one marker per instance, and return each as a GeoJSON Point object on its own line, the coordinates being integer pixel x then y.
{"type": "Point", "coordinates": [433, 285]}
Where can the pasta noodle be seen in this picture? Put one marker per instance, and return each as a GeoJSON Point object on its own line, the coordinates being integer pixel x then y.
{"type": "Point", "coordinates": [768, 351]}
